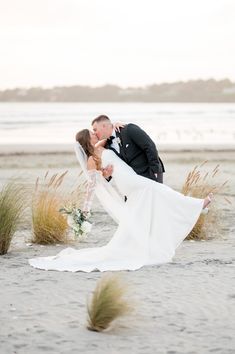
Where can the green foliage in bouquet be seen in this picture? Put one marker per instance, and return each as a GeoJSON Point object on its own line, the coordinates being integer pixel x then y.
{"type": "Point", "coordinates": [77, 220]}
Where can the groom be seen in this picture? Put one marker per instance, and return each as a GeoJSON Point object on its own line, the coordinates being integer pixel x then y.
{"type": "Point", "coordinates": [133, 146]}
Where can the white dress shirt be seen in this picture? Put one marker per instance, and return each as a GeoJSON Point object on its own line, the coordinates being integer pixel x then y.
{"type": "Point", "coordinates": [115, 144]}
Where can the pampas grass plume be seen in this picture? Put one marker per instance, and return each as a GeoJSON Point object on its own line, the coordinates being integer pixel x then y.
{"type": "Point", "coordinates": [49, 225]}
{"type": "Point", "coordinates": [199, 184]}
{"type": "Point", "coordinates": [108, 302]}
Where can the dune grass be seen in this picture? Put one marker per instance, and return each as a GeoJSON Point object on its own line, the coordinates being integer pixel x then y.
{"type": "Point", "coordinates": [199, 184]}
{"type": "Point", "coordinates": [108, 302]}
{"type": "Point", "coordinates": [49, 225]}
{"type": "Point", "coordinates": [12, 205]}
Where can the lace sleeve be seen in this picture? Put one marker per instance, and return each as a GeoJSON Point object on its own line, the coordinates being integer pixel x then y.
{"type": "Point", "coordinates": [90, 191]}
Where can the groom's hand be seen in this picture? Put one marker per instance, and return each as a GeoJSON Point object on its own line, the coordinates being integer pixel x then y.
{"type": "Point", "coordinates": [107, 171]}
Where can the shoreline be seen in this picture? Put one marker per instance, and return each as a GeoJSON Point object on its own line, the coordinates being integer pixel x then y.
{"type": "Point", "coordinates": [41, 149]}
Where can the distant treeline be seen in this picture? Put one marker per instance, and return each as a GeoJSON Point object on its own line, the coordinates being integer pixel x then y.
{"type": "Point", "coordinates": [190, 91]}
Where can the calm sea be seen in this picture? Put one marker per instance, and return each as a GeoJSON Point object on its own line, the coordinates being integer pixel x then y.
{"type": "Point", "coordinates": [167, 123]}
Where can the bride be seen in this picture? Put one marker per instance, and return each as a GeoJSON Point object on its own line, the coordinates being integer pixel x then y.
{"type": "Point", "coordinates": [151, 224]}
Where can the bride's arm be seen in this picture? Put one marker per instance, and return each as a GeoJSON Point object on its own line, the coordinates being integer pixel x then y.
{"type": "Point", "coordinates": [118, 125]}
{"type": "Point", "coordinates": [91, 183]}
{"type": "Point", "coordinates": [101, 143]}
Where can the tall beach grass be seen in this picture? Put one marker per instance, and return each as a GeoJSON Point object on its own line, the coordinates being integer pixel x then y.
{"type": "Point", "coordinates": [49, 225]}
{"type": "Point", "coordinates": [13, 202]}
{"type": "Point", "coordinates": [199, 183]}
{"type": "Point", "coordinates": [109, 302]}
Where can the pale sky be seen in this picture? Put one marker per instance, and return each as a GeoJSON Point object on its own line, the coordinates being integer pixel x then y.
{"type": "Point", "coordinates": [125, 42]}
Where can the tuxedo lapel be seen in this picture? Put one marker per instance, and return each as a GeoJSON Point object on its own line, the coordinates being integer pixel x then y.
{"type": "Point", "coordinates": [116, 152]}
{"type": "Point", "coordinates": [108, 146]}
{"type": "Point", "coordinates": [121, 146]}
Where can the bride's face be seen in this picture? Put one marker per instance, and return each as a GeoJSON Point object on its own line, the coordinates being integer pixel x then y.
{"type": "Point", "coordinates": [93, 138]}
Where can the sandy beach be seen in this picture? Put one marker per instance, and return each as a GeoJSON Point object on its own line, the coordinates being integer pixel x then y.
{"type": "Point", "coordinates": [186, 306]}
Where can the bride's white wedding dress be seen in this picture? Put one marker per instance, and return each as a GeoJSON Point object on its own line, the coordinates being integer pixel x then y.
{"type": "Point", "coordinates": [152, 223]}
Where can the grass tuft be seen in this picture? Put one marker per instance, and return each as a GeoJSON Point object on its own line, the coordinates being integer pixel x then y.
{"type": "Point", "coordinates": [108, 303]}
{"type": "Point", "coordinates": [49, 225]}
{"type": "Point", "coordinates": [199, 184]}
{"type": "Point", "coordinates": [12, 206]}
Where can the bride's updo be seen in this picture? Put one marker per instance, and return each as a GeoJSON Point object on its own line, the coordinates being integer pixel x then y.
{"type": "Point", "coordinates": [84, 139]}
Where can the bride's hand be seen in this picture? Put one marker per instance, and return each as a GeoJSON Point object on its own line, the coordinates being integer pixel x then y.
{"type": "Point", "coordinates": [107, 171]}
{"type": "Point", "coordinates": [118, 125]}
{"type": "Point", "coordinates": [101, 143]}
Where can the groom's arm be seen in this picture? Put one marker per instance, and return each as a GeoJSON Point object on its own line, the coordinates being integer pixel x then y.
{"type": "Point", "coordinates": [141, 139]}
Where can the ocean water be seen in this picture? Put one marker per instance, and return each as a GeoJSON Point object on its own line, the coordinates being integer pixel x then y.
{"type": "Point", "coordinates": [166, 123]}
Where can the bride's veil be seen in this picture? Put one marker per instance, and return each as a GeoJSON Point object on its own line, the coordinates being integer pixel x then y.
{"type": "Point", "coordinates": [106, 194]}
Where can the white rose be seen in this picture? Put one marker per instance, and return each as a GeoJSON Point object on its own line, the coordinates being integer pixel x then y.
{"type": "Point", "coordinates": [70, 221]}
{"type": "Point", "coordinates": [86, 227]}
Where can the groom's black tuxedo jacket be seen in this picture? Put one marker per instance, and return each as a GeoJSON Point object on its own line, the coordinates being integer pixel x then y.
{"type": "Point", "coordinates": [139, 151]}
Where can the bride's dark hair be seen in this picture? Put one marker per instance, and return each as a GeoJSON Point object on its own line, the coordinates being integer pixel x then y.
{"type": "Point", "coordinates": [84, 139]}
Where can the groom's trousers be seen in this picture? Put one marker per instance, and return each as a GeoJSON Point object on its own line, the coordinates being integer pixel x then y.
{"type": "Point", "coordinates": [160, 177]}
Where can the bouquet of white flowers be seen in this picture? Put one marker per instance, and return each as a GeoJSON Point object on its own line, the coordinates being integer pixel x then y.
{"type": "Point", "coordinates": [77, 220]}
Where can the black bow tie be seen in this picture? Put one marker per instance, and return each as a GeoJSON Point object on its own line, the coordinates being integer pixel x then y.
{"type": "Point", "coordinates": [110, 139]}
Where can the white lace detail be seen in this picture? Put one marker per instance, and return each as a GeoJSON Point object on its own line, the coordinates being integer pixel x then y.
{"type": "Point", "coordinates": [90, 190]}
{"type": "Point", "coordinates": [106, 194]}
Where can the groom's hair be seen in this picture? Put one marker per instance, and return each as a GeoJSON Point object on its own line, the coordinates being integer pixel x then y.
{"type": "Point", "coordinates": [100, 118]}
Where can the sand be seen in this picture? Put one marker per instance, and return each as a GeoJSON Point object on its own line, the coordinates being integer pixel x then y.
{"type": "Point", "coordinates": [187, 306]}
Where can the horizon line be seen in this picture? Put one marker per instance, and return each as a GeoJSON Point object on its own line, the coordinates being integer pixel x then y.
{"type": "Point", "coordinates": [117, 85]}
